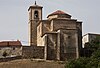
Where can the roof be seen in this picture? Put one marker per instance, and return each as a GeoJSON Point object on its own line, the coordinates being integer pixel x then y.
{"type": "Point", "coordinates": [49, 33]}
{"type": "Point", "coordinates": [58, 12]}
{"type": "Point", "coordinates": [10, 43]}
{"type": "Point", "coordinates": [91, 34]}
{"type": "Point", "coordinates": [35, 6]}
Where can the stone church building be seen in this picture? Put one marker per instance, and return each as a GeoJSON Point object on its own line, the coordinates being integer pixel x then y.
{"type": "Point", "coordinates": [59, 36]}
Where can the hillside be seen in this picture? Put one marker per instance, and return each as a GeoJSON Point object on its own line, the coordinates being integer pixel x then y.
{"type": "Point", "coordinates": [27, 63]}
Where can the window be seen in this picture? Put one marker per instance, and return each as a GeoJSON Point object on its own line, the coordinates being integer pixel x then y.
{"type": "Point", "coordinates": [35, 14]}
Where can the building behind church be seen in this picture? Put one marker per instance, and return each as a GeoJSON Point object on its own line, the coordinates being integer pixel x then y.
{"type": "Point", "coordinates": [89, 37]}
{"type": "Point", "coordinates": [59, 37]}
{"type": "Point", "coordinates": [10, 49]}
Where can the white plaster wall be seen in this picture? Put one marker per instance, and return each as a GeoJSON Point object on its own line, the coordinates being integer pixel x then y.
{"type": "Point", "coordinates": [85, 39]}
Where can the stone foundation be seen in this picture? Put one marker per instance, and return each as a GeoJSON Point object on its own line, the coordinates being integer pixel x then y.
{"type": "Point", "coordinates": [33, 52]}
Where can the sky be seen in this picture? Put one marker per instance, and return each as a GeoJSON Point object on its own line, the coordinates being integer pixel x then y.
{"type": "Point", "coordinates": [14, 15]}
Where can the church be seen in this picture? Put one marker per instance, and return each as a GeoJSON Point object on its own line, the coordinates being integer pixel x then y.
{"type": "Point", "coordinates": [59, 36]}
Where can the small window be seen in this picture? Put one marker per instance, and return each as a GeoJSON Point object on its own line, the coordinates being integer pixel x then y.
{"type": "Point", "coordinates": [35, 14]}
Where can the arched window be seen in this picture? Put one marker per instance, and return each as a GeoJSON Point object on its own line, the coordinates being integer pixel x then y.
{"type": "Point", "coordinates": [36, 14]}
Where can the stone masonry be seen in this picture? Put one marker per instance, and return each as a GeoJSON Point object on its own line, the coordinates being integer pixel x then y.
{"type": "Point", "coordinates": [59, 36]}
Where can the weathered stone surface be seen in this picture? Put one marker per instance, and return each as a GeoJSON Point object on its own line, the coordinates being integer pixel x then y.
{"type": "Point", "coordinates": [33, 52]}
{"type": "Point", "coordinates": [59, 35]}
{"type": "Point", "coordinates": [11, 51]}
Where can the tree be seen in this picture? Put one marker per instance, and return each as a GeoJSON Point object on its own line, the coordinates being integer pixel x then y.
{"type": "Point", "coordinates": [78, 63]}
{"type": "Point", "coordinates": [92, 61]}
{"type": "Point", "coordinates": [91, 47]}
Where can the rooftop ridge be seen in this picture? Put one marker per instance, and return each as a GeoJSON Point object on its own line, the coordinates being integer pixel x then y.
{"type": "Point", "coordinates": [58, 12]}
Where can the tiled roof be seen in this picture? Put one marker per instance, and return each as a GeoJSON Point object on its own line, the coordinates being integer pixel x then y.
{"type": "Point", "coordinates": [57, 13]}
{"type": "Point", "coordinates": [35, 6]}
{"type": "Point", "coordinates": [10, 43]}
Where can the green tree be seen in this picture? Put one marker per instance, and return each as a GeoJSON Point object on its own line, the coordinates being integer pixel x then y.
{"type": "Point", "coordinates": [99, 65]}
{"type": "Point", "coordinates": [78, 63]}
{"type": "Point", "coordinates": [93, 61]}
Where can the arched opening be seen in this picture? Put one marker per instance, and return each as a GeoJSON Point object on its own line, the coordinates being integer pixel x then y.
{"type": "Point", "coordinates": [36, 14]}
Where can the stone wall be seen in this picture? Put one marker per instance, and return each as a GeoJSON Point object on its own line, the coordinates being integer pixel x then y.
{"type": "Point", "coordinates": [33, 52]}
{"type": "Point", "coordinates": [42, 28]}
{"type": "Point", "coordinates": [69, 44]}
{"type": "Point", "coordinates": [11, 51]}
{"type": "Point", "coordinates": [79, 30]}
{"type": "Point", "coordinates": [10, 58]}
{"type": "Point", "coordinates": [33, 32]}
{"type": "Point", "coordinates": [64, 24]}
{"type": "Point", "coordinates": [51, 46]}
{"type": "Point", "coordinates": [62, 45]}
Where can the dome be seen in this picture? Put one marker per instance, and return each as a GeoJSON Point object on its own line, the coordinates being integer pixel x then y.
{"type": "Point", "coordinates": [59, 14]}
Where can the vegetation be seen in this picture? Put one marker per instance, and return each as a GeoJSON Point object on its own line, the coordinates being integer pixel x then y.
{"type": "Point", "coordinates": [90, 61]}
{"type": "Point", "coordinates": [4, 54]}
{"type": "Point", "coordinates": [27, 63]}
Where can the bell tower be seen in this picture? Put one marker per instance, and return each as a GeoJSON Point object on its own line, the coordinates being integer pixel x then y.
{"type": "Point", "coordinates": [35, 15]}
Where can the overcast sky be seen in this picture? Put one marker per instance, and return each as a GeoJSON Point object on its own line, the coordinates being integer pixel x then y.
{"type": "Point", "coordinates": [14, 15]}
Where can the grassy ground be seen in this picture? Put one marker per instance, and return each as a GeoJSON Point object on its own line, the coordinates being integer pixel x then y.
{"type": "Point", "coordinates": [27, 63]}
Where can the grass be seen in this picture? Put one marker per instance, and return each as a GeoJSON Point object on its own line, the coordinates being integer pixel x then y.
{"type": "Point", "coordinates": [27, 63]}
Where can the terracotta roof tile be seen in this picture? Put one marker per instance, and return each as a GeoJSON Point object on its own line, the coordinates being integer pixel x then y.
{"type": "Point", "coordinates": [10, 43]}
{"type": "Point", "coordinates": [57, 13]}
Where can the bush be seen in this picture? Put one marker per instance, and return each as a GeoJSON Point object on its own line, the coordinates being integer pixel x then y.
{"type": "Point", "coordinates": [79, 63]}
{"type": "Point", "coordinates": [94, 58]}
